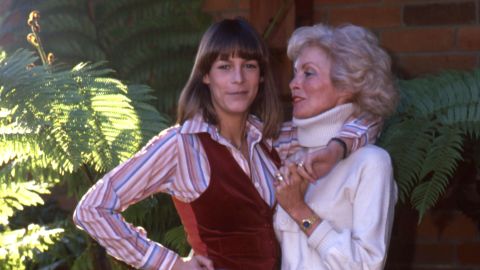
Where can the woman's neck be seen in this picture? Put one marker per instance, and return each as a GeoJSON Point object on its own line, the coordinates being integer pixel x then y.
{"type": "Point", "coordinates": [233, 129]}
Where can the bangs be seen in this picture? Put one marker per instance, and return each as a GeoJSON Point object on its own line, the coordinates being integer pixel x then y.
{"type": "Point", "coordinates": [233, 39]}
{"type": "Point", "coordinates": [237, 47]}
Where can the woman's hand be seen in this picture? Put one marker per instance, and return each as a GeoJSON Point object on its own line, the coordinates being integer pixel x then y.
{"type": "Point", "coordinates": [319, 163]}
{"type": "Point", "coordinates": [290, 192]}
{"type": "Point", "coordinates": [196, 262]}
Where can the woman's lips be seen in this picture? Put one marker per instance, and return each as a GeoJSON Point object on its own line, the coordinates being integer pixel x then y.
{"type": "Point", "coordinates": [237, 93]}
{"type": "Point", "coordinates": [296, 99]}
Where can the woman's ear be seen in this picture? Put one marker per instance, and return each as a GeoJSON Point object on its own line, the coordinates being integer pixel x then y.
{"type": "Point", "coordinates": [346, 96]}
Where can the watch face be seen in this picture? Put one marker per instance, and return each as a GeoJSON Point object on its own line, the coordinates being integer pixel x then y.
{"type": "Point", "coordinates": [306, 223]}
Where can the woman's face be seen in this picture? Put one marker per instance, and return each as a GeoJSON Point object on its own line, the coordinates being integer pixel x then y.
{"type": "Point", "coordinates": [312, 89]}
{"type": "Point", "coordinates": [233, 85]}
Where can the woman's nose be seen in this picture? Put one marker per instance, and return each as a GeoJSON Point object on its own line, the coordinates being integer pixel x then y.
{"type": "Point", "coordinates": [294, 83]}
{"type": "Point", "coordinates": [238, 75]}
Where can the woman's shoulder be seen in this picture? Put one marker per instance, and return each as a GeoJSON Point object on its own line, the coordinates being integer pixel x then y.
{"type": "Point", "coordinates": [371, 154]}
{"type": "Point", "coordinates": [165, 135]}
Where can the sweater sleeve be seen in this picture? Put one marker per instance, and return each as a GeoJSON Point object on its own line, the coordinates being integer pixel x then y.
{"type": "Point", "coordinates": [365, 246]}
{"type": "Point", "coordinates": [99, 211]}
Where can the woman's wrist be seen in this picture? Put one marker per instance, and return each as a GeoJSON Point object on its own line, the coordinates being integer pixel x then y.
{"type": "Point", "coordinates": [305, 217]}
{"type": "Point", "coordinates": [338, 147]}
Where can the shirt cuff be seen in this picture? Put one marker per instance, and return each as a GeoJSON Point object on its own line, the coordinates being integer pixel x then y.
{"type": "Point", "coordinates": [158, 257]}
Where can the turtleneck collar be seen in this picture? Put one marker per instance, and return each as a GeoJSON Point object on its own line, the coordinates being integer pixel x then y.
{"type": "Point", "coordinates": [317, 131]}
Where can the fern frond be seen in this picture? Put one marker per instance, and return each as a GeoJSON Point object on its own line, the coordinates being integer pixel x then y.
{"type": "Point", "coordinates": [408, 142]}
{"type": "Point", "coordinates": [442, 159]}
{"type": "Point", "coordinates": [177, 239]}
{"type": "Point", "coordinates": [14, 196]}
{"type": "Point", "coordinates": [20, 245]}
{"type": "Point", "coordinates": [425, 137]}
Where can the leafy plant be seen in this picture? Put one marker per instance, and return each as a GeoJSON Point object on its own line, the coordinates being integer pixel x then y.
{"type": "Point", "coordinates": [148, 41]}
{"type": "Point", "coordinates": [61, 125]}
{"type": "Point", "coordinates": [20, 245]}
{"type": "Point", "coordinates": [426, 136]}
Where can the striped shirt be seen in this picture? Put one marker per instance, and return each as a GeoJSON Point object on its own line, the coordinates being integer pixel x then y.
{"type": "Point", "coordinates": [174, 162]}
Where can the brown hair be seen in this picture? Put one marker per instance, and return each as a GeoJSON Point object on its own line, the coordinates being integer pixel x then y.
{"type": "Point", "coordinates": [231, 37]}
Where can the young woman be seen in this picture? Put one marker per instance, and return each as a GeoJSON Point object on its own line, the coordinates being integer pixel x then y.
{"type": "Point", "coordinates": [342, 220]}
{"type": "Point", "coordinates": [218, 164]}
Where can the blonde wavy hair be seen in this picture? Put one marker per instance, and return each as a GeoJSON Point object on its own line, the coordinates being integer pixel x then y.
{"type": "Point", "coordinates": [358, 64]}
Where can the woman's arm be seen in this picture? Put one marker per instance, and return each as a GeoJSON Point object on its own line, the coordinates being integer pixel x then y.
{"type": "Point", "coordinates": [355, 133]}
{"type": "Point", "coordinates": [98, 213]}
{"type": "Point", "coordinates": [365, 245]}
{"type": "Point", "coordinates": [360, 131]}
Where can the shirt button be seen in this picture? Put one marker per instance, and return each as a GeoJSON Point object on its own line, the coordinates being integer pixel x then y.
{"type": "Point", "coordinates": [257, 185]}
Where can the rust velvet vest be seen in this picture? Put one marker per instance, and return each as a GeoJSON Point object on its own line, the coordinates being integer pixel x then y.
{"type": "Point", "coordinates": [230, 223]}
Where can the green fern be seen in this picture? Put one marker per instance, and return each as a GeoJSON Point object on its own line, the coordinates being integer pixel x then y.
{"type": "Point", "coordinates": [14, 196]}
{"type": "Point", "coordinates": [425, 137]}
{"type": "Point", "coordinates": [80, 116]}
{"type": "Point", "coordinates": [64, 125]}
{"type": "Point", "coordinates": [19, 246]}
{"type": "Point", "coordinates": [176, 238]}
{"type": "Point", "coordinates": [147, 41]}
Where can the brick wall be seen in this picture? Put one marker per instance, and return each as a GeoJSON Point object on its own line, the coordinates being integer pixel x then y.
{"type": "Point", "coordinates": [423, 36]}
{"type": "Point", "coordinates": [445, 239]}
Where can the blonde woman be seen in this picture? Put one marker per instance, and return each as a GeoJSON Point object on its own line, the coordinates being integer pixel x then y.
{"type": "Point", "coordinates": [342, 220]}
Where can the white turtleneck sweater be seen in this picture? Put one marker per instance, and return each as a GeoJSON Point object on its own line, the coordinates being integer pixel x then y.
{"type": "Point", "coordinates": [355, 201]}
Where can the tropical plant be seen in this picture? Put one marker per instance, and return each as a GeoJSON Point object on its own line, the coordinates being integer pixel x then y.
{"type": "Point", "coordinates": [149, 41]}
{"type": "Point", "coordinates": [425, 138]}
{"type": "Point", "coordinates": [20, 245]}
{"type": "Point", "coordinates": [67, 126]}
{"type": "Point", "coordinates": [62, 125]}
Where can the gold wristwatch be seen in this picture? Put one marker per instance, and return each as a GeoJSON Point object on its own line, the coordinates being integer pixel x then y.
{"type": "Point", "coordinates": [307, 223]}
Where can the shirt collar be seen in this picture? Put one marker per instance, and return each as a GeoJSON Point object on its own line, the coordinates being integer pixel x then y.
{"type": "Point", "coordinates": [197, 124]}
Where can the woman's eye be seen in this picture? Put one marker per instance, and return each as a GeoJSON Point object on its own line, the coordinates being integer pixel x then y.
{"type": "Point", "coordinates": [224, 67]}
{"type": "Point", "coordinates": [251, 66]}
{"type": "Point", "coordinates": [308, 73]}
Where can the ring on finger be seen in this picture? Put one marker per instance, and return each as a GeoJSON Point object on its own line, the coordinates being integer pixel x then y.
{"type": "Point", "coordinates": [301, 165]}
{"type": "Point", "coordinates": [279, 177]}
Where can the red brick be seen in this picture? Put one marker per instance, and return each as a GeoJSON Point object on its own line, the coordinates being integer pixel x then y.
{"type": "Point", "coordinates": [447, 225]}
{"type": "Point", "coordinates": [244, 4]}
{"type": "Point", "coordinates": [303, 13]}
{"type": "Point", "coordinates": [329, 2]}
{"type": "Point", "coordinates": [434, 253]}
{"type": "Point", "coordinates": [219, 5]}
{"type": "Point", "coordinates": [410, 1]}
{"type": "Point", "coordinates": [419, 40]}
{"type": "Point", "coordinates": [412, 66]}
{"type": "Point", "coordinates": [439, 14]}
{"type": "Point", "coordinates": [320, 16]}
{"type": "Point", "coordinates": [469, 38]}
{"type": "Point", "coordinates": [468, 253]}
{"type": "Point", "coordinates": [233, 14]}
{"type": "Point", "coordinates": [367, 16]}
{"type": "Point", "coordinates": [460, 227]}
{"type": "Point", "coordinates": [427, 229]}
{"type": "Point", "coordinates": [261, 14]}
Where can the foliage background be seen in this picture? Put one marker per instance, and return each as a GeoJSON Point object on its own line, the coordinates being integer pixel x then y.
{"type": "Point", "coordinates": [64, 126]}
